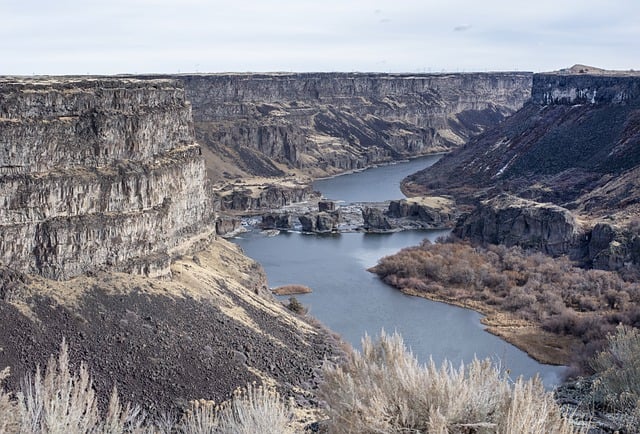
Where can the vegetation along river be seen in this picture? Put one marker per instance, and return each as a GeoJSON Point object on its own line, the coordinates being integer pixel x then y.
{"type": "Point", "coordinates": [351, 301]}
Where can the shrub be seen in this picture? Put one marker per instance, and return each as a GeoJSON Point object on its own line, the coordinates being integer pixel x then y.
{"type": "Point", "coordinates": [618, 370]}
{"type": "Point", "coordinates": [296, 307]}
{"type": "Point", "coordinates": [63, 402]}
{"type": "Point", "coordinates": [385, 390]}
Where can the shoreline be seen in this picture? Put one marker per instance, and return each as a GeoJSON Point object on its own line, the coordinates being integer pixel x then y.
{"type": "Point", "coordinates": [542, 346]}
{"type": "Point", "coordinates": [381, 164]}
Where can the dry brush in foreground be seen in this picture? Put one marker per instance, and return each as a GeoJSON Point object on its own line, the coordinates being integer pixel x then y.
{"type": "Point", "coordinates": [385, 390]}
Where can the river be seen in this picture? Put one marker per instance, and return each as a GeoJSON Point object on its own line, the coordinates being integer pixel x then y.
{"type": "Point", "coordinates": [351, 301]}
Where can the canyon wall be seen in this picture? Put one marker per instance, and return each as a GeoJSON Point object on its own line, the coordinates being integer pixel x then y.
{"type": "Point", "coordinates": [576, 144]}
{"type": "Point", "coordinates": [327, 123]}
{"type": "Point", "coordinates": [97, 172]}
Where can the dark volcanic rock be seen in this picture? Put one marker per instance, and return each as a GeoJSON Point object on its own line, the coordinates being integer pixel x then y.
{"type": "Point", "coordinates": [226, 225]}
{"type": "Point", "coordinates": [437, 214]}
{"type": "Point", "coordinates": [613, 248]}
{"type": "Point", "coordinates": [375, 220]}
{"type": "Point", "coordinates": [98, 173]}
{"type": "Point", "coordinates": [326, 205]}
{"type": "Point", "coordinates": [164, 343]}
{"type": "Point", "coordinates": [277, 221]}
{"type": "Point", "coordinates": [320, 222]}
{"type": "Point", "coordinates": [269, 196]}
{"type": "Point", "coordinates": [325, 123]}
{"type": "Point", "coordinates": [511, 221]}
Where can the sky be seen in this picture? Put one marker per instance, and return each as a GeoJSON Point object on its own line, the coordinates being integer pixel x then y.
{"type": "Point", "coordinates": [186, 36]}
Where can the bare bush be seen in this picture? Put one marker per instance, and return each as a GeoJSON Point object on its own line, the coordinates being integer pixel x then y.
{"type": "Point", "coordinates": [549, 292]}
{"type": "Point", "coordinates": [618, 369]}
{"type": "Point", "coordinates": [385, 390]}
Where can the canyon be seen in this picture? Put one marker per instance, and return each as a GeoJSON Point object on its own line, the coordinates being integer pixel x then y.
{"type": "Point", "coordinates": [115, 190]}
{"type": "Point", "coordinates": [574, 145]}
{"type": "Point", "coordinates": [321, 124]}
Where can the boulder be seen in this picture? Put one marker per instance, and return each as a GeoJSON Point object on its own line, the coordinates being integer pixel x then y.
{"type": "Point", "coordinates": [277, 221]}
{"type": "Point", "coordinates": [375, 220]}
{"type": "Point", "coordinates": [319, 222]}
{"type": "Point", "coordinates": [510, 220]}
{"type": "Point", "coordinates": [227, 225]}
{"type": "Point", "coordinates": [613, 248]}
{"type": "Point", "coordinates": [433, 211]}
{"type": "Point", "coordinates": [326, 205]}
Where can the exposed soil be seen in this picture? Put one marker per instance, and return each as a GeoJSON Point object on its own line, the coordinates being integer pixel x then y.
{"type": "Point", "coordinates": [165, 343]}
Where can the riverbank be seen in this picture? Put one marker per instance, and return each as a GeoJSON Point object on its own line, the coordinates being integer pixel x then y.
{"type": "Point", "coordinates": [542, 346]}
{"type": "Point", "coordinates": [546, 306]}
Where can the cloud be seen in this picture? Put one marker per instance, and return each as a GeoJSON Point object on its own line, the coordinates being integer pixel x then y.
{"type": "Point", "coordinates": [462, 28]}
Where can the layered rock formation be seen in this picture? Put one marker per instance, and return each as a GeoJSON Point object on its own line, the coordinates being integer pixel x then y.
{"type": "Point", "coordinates": [511, 221]}
{"type": "Point", "coordinates": [412, 213]}
{"type": "Point", "coordinates": [326, 123]}
{"type": "Point", "coordinates": [575, 144]}
{"type": "Point", "coordinates": [97, 173]}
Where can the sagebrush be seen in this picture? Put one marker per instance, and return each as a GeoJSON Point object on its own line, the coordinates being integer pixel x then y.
{"type": "Point", "coordinates": [63, 402]}
{"type": "Point", "coordinates": [384, 389]}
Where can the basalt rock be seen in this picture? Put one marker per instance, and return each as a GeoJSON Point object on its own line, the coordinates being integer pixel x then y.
{"type": "Point", "coordinates": [277, 221]}
{"type": "Point", "coordinates": [513, 221]}
{"type": "Point", "coordinates": [226, 225]}
{"type": "Point", "coordinates": [263, 197]}
{"type": "Point", "coordinates": [320, 222]}
{"type": "Point", "coordinates": [98, 173]}
{"type": "Point", "coordinates": [436, 212]}
{"type": "Point", "coordinates": [326, 205]}
{"type": "Point", "coordinates": [326, 123]}
{"type": "Point", "coordinates": [375, 220]}
{"type": "Point", "coordinates": [614, 248]}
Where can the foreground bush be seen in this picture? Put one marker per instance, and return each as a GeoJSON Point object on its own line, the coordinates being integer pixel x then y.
{"type": "Point", "coordinates": [385, 390]}
{"type": "Point", "coordinates": [618, 371]}
{"type": "Point", "coordinates": [62, 402]}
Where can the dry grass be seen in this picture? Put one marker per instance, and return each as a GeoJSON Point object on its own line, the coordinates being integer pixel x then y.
{"type": "Point", "coordinates": [385, 390]}
{"type": "Point", "coordinates": [63, 402]}
{"type": "Point", "coordinates": [618, 370]}
{"type": "Point", "coordinates": [291, 290]}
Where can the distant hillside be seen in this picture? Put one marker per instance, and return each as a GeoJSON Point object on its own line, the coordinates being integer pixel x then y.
{"type": "Point", "coordinates": [576, 144]}
{"type": "Point", "coordinates": [320, 124]}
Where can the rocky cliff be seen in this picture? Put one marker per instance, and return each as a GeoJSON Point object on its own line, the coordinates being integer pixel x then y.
{"type": "Point", "coordinates": [326, 123]}
{"type": "Point", "coordinates": [575, 144]}
{"type": "Point", "coordinates": [97, 173]}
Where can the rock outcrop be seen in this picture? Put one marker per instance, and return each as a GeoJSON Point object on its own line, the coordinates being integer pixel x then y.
{"type": "Point", "coordinates": [612, 247]}
{"type": "Point", "coordinates": [266, 195]}
{"type": "Point", "coordinates": [412, 213]}
{"type": "Point", "coordinates": [274, 220]}
{"type": "Point", "coordinates": [575, 144]}
{"type": "Point", "coordinates": [319, 222]}
{"type": "Point", "coordinates": [375, 220]}
{"type": "Point", "coordinates": [98, 173]}
{"type": "Point", "coordinates": [327, 123]}
{"type": "Point", "coordinates": [513, 221]}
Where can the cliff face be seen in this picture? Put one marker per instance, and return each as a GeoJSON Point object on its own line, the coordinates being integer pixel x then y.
{"type": "Point", "coordinates": [97, 173]}
{"type": "Point", "coordinates": [575, 144]}
{"type": "Point", "coordinates": [332, 122]}
{"type": "Point", "coordinates": [575, 130]}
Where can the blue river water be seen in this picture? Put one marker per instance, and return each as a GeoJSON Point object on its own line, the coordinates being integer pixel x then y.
{"type": "Point", "coordinates": [352, 301]}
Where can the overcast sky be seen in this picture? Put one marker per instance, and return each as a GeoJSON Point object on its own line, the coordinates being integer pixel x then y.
{"type": "Point", "coordinates": [170, 36]}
